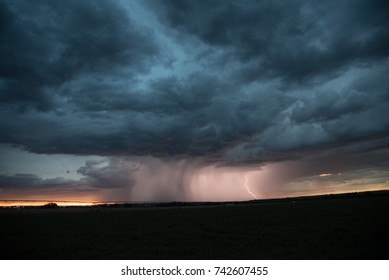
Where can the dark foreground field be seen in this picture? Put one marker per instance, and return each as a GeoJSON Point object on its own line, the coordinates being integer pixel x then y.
{"type": "Point", "coordinates": [352, 228]}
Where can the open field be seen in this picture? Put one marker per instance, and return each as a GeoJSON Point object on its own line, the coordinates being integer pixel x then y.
{"type": "Point", "coordinates": [342, 228]}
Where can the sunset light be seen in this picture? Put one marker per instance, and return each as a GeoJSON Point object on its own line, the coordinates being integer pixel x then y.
{"type": "Point", "coordinates": [42, 203]}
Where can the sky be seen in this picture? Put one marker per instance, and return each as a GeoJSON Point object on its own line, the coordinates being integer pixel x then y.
{"type": "Point", "coordinates": [192, 100]}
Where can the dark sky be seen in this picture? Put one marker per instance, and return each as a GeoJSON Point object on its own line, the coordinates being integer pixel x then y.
{"type": "Point", "coordinates": [180, 100]}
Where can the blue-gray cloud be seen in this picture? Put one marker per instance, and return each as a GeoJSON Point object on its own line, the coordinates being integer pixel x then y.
{"type": "Point", "coordinates": [247, 82]}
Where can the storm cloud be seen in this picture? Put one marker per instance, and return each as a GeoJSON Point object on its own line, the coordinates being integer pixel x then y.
{"type": "Point", "coordinates": [193, 84]}
{"type": "Point", "coordinates": [297, 41]}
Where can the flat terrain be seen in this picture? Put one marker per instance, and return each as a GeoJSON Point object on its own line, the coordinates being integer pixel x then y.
{"type": "Point", "coordinates": [341, 228]}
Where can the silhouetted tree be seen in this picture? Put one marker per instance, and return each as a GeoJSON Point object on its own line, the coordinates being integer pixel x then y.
{"type": "Point", "coordinates": [50, 205]}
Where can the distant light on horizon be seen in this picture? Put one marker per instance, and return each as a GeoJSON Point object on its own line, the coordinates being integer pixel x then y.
{"type": "Point", "coordinates": [44, 202]}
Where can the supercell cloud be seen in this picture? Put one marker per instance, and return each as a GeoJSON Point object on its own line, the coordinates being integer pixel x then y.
{"type": "Point", "coordinates": [170, 95]}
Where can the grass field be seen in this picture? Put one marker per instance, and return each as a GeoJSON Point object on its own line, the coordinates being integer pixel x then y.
{"type": "Point", "coordinates": [352, 228]}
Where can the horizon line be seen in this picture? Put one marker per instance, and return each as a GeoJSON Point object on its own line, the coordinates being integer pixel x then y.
{"type": "Point", "coordinates": [175, 201]}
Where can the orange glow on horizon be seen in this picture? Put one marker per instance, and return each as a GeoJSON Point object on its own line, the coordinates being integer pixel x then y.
{"type": "Point", "coordinates": [38, 203]}
{"type": "Point", "coordinates": [20, 203]}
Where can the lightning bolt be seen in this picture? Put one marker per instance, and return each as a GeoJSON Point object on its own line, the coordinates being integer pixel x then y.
{"type": "Point", "coordinates": [246, 180]}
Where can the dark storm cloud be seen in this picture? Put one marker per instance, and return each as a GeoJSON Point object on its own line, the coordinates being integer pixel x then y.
{"type": "Point", "coordinates": [17, 181]}
{"type": "Point", "coordinates": [194, 116]}
{"type": "Point", "coordinates": [83, 78]}
{"type": "Point", "coordinates": [45, 44]}
{"type": "Point", "coordinates": [115, 173]}
{"type": "Point", "coordinates": [296, 41]}
{"type": "Point", "coordinates": [364, 94]}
